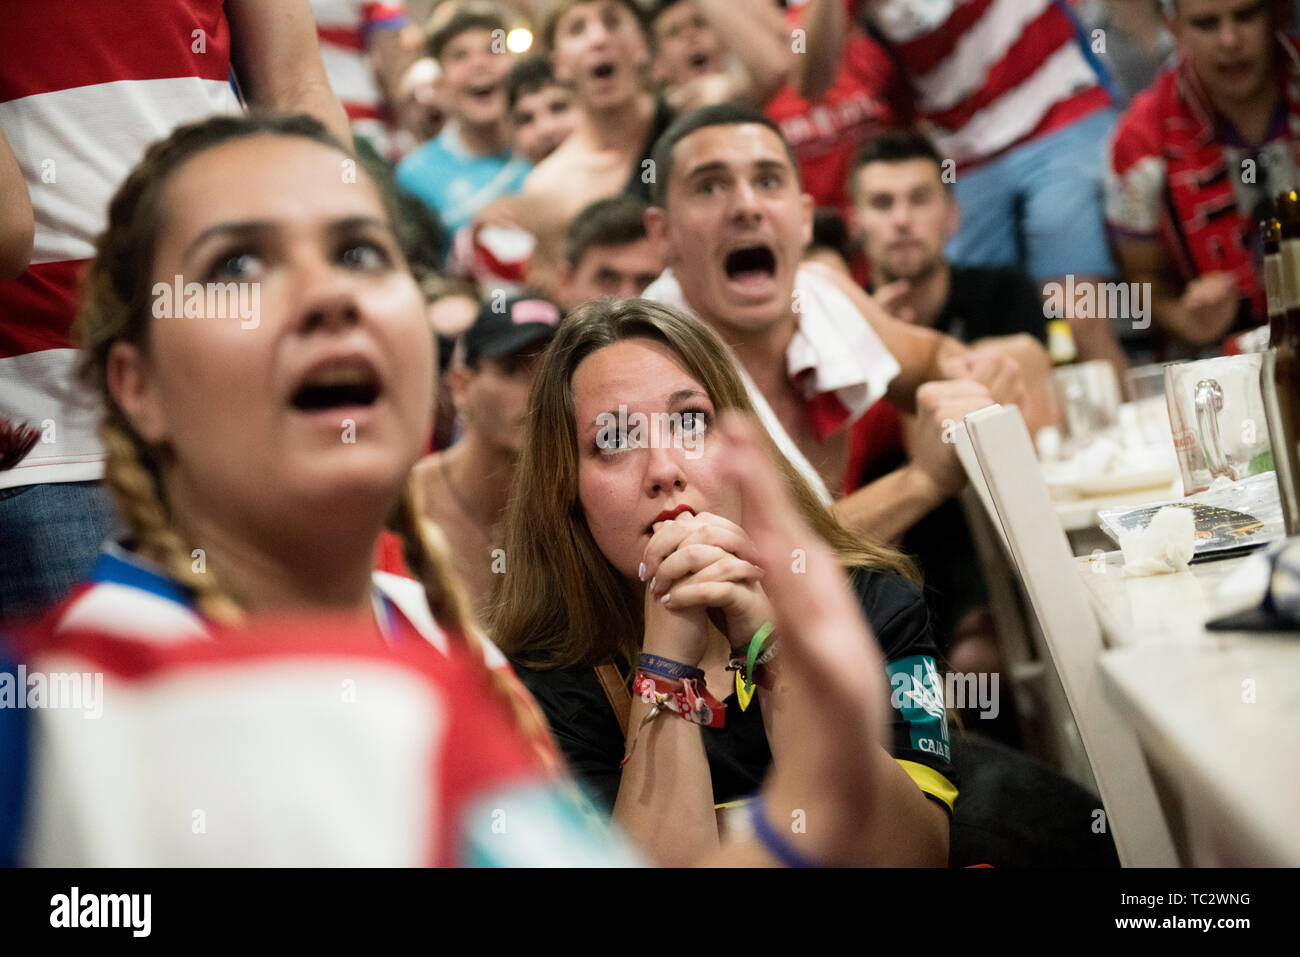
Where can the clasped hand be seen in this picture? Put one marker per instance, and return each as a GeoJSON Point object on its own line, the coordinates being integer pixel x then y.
{"type": "Point", "coordinates": [694, 564]}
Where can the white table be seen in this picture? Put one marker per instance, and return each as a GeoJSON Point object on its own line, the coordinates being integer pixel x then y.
{"type": "Point", "coordinates": [1218, 713]}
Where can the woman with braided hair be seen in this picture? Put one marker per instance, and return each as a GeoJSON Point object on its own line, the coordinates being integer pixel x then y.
{"type": "Point", "coordinates": [266, 371]}
{"type": "Point", "coordinates": [244, 504]}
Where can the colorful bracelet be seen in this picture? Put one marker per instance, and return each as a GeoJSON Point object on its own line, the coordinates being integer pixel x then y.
{"type": "Point", "coordinates": [773, 841]}
{"type": "Point", "coordinates": [689, 699]}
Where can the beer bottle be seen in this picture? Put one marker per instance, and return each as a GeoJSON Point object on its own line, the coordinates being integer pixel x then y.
{"type": "Point", "coordinates": [1060, 342]}
{"type": "Point", "coordinates": [1271, 231]}
{"type": "Point", "coordinates": [1280, 374]}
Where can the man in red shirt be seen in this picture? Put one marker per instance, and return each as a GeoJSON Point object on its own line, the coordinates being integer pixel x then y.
{"type": "Point", "coordinates": [1193, 167]}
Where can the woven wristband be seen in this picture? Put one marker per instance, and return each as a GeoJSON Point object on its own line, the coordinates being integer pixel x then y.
{"type": "Point", "coordinates": [662, 667]}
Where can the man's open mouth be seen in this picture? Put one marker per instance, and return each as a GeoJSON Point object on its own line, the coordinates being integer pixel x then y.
{"type": "Point", "coordinates": [603, 70]}
{"type": "Point", "coordinates": [483, 91]}
{"type": "Point", "coordinates": [698, 60]}
{"type": "Point", "coordinates": [750, 264]}
{"type": "Point", "coordinates": [336, 387]}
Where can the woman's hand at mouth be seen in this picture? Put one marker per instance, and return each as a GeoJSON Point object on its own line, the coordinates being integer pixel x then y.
{"type": "Point", "coordinates": [707, 562]}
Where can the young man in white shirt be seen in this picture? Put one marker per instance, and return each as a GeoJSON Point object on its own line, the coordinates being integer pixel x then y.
{"type": "Point", "coordinates": [731, 217]}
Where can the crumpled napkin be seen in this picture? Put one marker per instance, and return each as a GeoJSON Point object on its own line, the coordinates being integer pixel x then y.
{"type": "Point", "coordinates": [1164, 546]}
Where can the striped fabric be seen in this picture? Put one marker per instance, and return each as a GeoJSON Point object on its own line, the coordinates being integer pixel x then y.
{"type": "Point", "coordinates": [1173, 175]}
{"type": "Point", "coordinates": [344, 28]}
{"type": "Point", "coordinates": [130, 596]}
{"type": "Point", "coordinates": [84, 89]}
{"type": "Point", "coordinates": [288, 742]}
{"type": "Point", "coordinates": [990, 73]}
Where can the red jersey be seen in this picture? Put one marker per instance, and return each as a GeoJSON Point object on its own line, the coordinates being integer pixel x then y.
{"type": "Point", "coordinates": [84, 88]}
{"type": "Point", "coordinates": [1178, 173]}
{"type": "Point", "coordinates": [869, 95]}
{"type": "Point", "coordinates": [989, 74]}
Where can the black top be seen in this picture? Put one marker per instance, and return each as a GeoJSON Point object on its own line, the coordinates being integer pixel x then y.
{"type": "Point", "coordinates": [587, 730]}
{"type": "Point", "coordinates": [638, 184]}
{"type": "Point", "coordinates": [991, 302]}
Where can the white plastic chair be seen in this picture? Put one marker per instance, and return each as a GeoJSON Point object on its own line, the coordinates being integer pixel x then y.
{"type": "Point", "coordinates": [1003, 469]}
{"type": "Point", "coordinates": [1047, 725]}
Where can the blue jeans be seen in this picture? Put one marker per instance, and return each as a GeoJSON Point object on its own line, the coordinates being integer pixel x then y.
{"type": "Point", "coordinates": [1039, 205]}
{"type": "Point", "coordinates": [49, 537]}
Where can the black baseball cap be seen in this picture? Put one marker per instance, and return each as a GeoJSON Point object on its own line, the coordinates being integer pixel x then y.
{"type": "Point", "coordinates": [506, 327]}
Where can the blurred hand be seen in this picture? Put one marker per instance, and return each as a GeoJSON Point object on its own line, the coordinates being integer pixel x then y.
{"type": "Point", "coordinates": [889, 298]}
{"type": "Point", "coordinates": [998, 372]}
{"type": "Point", "coordinates": [831, 669]}
{"type": "Point", "coordinates": [940, 406]}
{"type": "Point", "coordinates": [1209, 307]}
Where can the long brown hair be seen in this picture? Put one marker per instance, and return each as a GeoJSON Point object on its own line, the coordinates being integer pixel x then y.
{"type": "Point", "coordinates": [115, 307]}
{"type": "Point", "coordinates": [561, 603]}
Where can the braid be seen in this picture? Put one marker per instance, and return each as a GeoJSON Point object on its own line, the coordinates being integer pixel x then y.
{"type": "Point", "coordinates": [136, 492]}
{"type": "Point", "coordinates": [115, 308]}
{"type": "Point", "coordinates": [426, 553]}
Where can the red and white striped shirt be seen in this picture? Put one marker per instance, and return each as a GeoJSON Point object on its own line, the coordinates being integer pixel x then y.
{"type": "Point", "coordinates": [84, 89]}
{"type": "Point", "coordinates": [990, 74]}
{"type": "Point", "coordinates": [311, 741]}
{"type": "Point", "coordinates": [344, 28]}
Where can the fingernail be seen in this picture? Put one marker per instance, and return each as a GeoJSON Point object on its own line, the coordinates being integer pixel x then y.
{"type": "Point", "coordinates": [640, 573]}
{"type": "Point", "coordinates": [667, 595]}
{"type": "Point", "coordinates": [652, 582]}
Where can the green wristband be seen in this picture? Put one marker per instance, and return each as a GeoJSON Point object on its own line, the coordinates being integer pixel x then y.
{"type": "Point", "coordinates": [755, 646]}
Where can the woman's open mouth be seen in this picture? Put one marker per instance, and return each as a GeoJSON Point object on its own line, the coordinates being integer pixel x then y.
{"type": "Point", "coordinates": [344, 384]}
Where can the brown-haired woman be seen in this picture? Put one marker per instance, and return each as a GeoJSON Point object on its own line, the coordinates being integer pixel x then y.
{"type": "Point", "coordinates": [620, 483]}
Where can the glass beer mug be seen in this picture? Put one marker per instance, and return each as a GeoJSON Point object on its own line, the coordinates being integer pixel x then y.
{"type": "Point", "coordinates": [1216, 412]}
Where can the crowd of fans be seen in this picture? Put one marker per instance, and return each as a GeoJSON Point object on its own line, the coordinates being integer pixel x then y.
{"type": "Point", "coordinates": [836, 217]}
